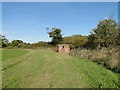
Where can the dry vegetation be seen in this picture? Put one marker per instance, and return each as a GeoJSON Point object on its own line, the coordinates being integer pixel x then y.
{"type": "Point", "coordinates": [105, 56]}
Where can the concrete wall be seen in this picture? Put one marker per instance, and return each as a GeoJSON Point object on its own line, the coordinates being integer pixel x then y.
{"type": "Point", "coordinates": [63, 48]}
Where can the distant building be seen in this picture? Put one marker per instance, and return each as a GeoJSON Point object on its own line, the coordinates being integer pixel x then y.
{"type": "Point", "coordinates": [63, 48]}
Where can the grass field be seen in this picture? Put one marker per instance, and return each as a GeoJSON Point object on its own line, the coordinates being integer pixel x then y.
{"type": "Point", "coordinates": [12, 53]}
{"type": "Point", "coordinates": [47, 69]}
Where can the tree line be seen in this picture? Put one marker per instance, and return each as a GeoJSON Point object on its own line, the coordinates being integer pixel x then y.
{"type": "Point", "coordinates": [106, 34]}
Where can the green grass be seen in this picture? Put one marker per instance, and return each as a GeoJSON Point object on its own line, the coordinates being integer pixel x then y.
{"type": "Point", "coordinates": [0, 68]}
{"type": "Point", "coordinates": [47, 69]}
{"type": "Point", "coordinates": [12, 53]}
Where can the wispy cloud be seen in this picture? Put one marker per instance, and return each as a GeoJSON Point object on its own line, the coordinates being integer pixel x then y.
{"type": "Point", "coordinates": [105, 17]}
{"type": "Point", "coordinates": [3, 32]}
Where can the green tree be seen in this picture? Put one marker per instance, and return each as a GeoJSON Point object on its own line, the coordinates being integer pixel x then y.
{"type": "Point", "coordinates": [106, 33]}
{"type": "Point", "coordinates": [16, 43]}
{"type": "Point", "coordinates": [55, 34]}
{"type": "Point", "coordinates": [90, 44]}
{"type": "Point", "coordinates": [3, 41]}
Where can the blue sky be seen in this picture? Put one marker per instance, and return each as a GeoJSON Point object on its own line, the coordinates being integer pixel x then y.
{"type": "Point", "coordinates": [27, 21]}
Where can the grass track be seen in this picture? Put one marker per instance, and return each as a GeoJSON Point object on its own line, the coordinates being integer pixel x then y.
{"type": "Point", "coordinates": [47, 69]}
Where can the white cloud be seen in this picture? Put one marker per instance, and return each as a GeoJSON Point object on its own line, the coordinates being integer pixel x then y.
{"type": "Point", "coordinates": [3, 32]}
{"type": "Point", "coordinates": [105, 17]}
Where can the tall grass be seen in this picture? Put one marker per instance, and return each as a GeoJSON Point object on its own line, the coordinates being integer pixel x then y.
{"type": "Point", "coordinates": [105, 56]}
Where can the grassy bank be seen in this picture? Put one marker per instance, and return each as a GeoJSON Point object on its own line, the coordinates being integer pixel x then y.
{"type": "Point", "coordinates": [107, 57]}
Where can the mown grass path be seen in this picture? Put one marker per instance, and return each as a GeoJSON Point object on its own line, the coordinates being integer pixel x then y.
{"type": "Point", "coordinates": [47, 69]}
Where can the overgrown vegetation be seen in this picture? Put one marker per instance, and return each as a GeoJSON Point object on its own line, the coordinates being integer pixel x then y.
{"type": "Point", "coordinates": [108, 57]}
